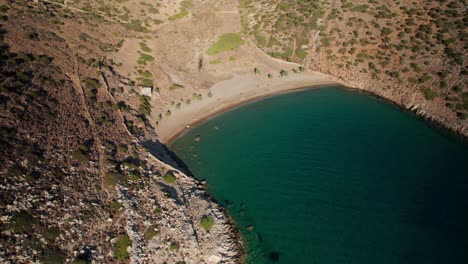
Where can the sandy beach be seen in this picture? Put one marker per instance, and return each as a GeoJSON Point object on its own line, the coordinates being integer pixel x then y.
{"type": "Point", "coordinates": [233, 92]}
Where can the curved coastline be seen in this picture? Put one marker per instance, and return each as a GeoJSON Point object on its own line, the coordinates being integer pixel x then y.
{"type": "Point", "coordinates": [199, 154]}
{"type": "Point", "coordinates": [243, 89]}
{"type": "Point", "coordinates": [250, 90]}
{"type": "Point", "coordinates": [228, 94]}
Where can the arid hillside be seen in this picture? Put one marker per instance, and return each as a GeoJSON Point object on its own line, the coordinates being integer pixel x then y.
{"type": "Point", "coordinates": [83, 176]}
{"type": "Point", "coordinates": [87, 88]}
{"type": "Point", "coordinates": [411, 52]}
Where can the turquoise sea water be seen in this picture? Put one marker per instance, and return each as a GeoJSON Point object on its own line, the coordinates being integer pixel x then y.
{"type": "Point", "coordinates": [331, 176]}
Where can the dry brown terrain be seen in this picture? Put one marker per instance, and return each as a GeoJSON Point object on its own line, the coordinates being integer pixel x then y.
{"type": "Point", "coordinates": [410, 52]}
{"type": "Point", "coordinates": [84, 175]}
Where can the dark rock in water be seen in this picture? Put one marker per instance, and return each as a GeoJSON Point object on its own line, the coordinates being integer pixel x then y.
{"type": "Point", "coordinates": [197, 138]}
{"type": "Point", "coordinates": [274, 256]}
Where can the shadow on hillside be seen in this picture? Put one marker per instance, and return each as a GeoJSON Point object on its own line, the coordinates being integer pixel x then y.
{"type": "Point", "coordinates": [163, 153]}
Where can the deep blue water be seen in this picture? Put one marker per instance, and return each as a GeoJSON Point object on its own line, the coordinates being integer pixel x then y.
{"type": "Point", "coordinates": [331, 176]}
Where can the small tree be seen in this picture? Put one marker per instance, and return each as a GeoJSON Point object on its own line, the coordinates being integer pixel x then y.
{"type": "Point", "coordinates": [283, 73]}
{"type": "Point", "coordinates": [169, 178]}
{"type": "Point", "coordinates": [174, 246]}
{"type": "Point", "coordinates": [207, 223]}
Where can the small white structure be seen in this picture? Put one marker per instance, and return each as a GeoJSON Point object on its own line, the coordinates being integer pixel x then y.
{"type": "Point", "coordinates": [147, 91]}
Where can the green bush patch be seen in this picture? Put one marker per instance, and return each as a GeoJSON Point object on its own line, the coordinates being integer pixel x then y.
{"type": "Point", "coordinates": [120, 249]}
{"type": "Point", "coordinates": [169, 178]}
{"type": "Point", "coordinates": [174, 246]}
{"type": "Point", "coordinates": [175, 87]}
{"type": "Point", "coordinates": [182, 13]}
{"type": "Point", "coordinates": [207, 223]}
{"type": "Point", "coordinates": [226, 42]}
{"type": "Point", "coordinates": [150, 232]}
{"type": "Point", "coordinates": [144, 47]}
{"type": "Point", "coordinates": [429, 94]}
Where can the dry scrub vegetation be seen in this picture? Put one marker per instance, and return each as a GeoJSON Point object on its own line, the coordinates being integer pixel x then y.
{"type": "Point", "coordinates": [403, 46]}
{"type": "Point", "coordinates": [82, 168]}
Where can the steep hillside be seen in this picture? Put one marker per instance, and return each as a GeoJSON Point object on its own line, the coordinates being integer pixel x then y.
{"type": "Point", "coordinates": [89, 89]}
{"type": "Point", "coordinates": [83, 175]}
{"type": "Point", "coordinates": [411, 52]}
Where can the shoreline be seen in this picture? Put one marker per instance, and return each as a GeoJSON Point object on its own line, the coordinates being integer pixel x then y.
{"type": "Point", "coordinates": [244, 89]}
{"type": "Point", "coordinates": [235, 105]}
{"type": "Point", "coordinates": [229, 94]}
{"type": "Point", "coordinates": [312, 80]}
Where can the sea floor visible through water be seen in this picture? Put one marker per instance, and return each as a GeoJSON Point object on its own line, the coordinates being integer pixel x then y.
{"type": "Point", "coordinates": [330, 175]}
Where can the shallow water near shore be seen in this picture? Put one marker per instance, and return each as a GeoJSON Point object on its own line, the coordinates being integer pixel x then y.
{"type": "Point", "coordinates": [330, 175]}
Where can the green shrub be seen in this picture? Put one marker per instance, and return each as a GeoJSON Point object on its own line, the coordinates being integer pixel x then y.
{"type": "Point", "coordinates": [429, 94]}
{"type": "Point", "coordinates": [175, 86]}
{"type": "Point", "coordinates": [301, 53]}
{"type": "Point", "coordinates": [144, 59]}
{"type": "Point", "coordinates": [150, 232]}
{"type": "Point", "coordinates": [135, 25]}
{"type": "Point", "coordinates": [261, 40]}
{"type": "Point", "coordinates": [113, 178]}
{"type": "Point", "coordinates": [174, 246]}
{"type": "Point", "coordinates": [120, 248]}
{"type": "Point", "coordinates": [182, 13]}
{"type": "Point", "coordinates": [144, 47]}
{"type": "Point", "coordinates": [169, 178]}
{"type": "Point", "coordinates": [207, 223]}
{"type": "Point", "coordinates": [145, 106]}
{"type": "Point", "coordinates": [92, 83]}
{"type": "Point", "coordinates": [80, 155]}
{"type": "Point", "coordinates": [115, 207]}
{"type": "Point", "coordinates": [360, 8]}
{"type": "Point", "coordinates": [146, 82]}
